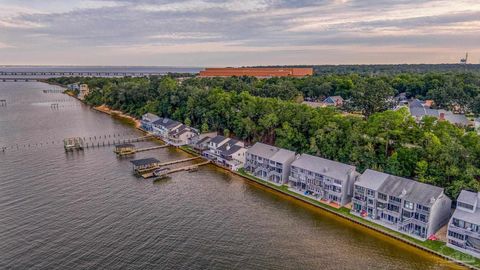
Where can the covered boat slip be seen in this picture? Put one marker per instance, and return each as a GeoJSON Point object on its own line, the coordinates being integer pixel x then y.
{"type": "Point", "coordinates": [124, 149]}
{"type": "Point", "coordinates": [144, 165]}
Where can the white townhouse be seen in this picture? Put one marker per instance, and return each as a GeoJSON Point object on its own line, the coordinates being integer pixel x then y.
{"type": "Point", "coordinates": [269, 163]}
{"type": "Point", "coordinates": [416, 209]}
{"type": "Point", "coordinates": [323, 179]}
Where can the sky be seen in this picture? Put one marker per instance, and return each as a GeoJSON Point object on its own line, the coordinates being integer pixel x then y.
{"type": "Point", "coordinates": [235, 33]}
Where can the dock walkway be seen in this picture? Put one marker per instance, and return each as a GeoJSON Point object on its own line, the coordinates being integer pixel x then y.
{"type": "Point", "coordinates": [184, 168]}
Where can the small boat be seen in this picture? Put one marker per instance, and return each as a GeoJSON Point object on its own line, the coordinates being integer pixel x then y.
{"type": "Point", "coordinates": [161, 172]}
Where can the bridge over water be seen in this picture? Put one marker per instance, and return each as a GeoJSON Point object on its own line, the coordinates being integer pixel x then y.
{"type": "Point", "coordinates": [32, 76]}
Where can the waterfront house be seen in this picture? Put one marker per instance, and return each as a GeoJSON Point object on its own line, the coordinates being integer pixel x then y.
{"type": "Point", "coordinates": [147, 121]}
{"type": "Point", "coordinates": [464, 226]}
{"type": "Point", "coordinates": [407, 206]}
{"type": "Point", "coordinates": [202, 144]}
{"type": "Point", "coordinates": [269, 163]}
{"type": "Point", "coordinates": [231, 155]}
{"type": "Point", "coordinates": [163, 126]}
{"type": "Point", "coordinates": [322, 179]}
{"type": "Point", "coordinates": [336, 101]}
{"type": "Point", "coordinates": [226, 152]}
{"type": "Point", "coordinates": [182, 135]}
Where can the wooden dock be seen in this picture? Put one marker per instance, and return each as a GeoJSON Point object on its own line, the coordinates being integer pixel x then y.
{"type": "Point", "coordinates": [132, 150]}
{"type": "Point", "coordinates": [149, 174]}
{"type": "Point", "coordinates": [184, 168]}
{"type": "Point", "coordinates": [151, 148]}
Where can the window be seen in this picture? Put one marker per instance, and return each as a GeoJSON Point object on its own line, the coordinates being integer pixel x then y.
{"type": "Point", "coordinates": [370, 193]}
{"type": "Point", "coordinates": [465, 205]}
{"type": "Point", "coordinates": [456, 235]}
{"type": "Point", "coordinates": [382, 196]}
{"type": "Point", "coordinates": [395, 199]}
{"type": "Point", "coordinates": [408, 205]}
{"type": "Point", "coordinates": [338, 182]}
{"type": "Point", "coordinates": [393, 208]}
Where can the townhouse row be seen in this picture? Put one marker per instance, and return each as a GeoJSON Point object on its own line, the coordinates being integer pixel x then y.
{"type": "Point", "coordinates": [407, 206]}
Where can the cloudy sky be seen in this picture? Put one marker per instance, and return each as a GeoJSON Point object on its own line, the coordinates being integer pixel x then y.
{"type": "Point", "coordinates": [234, 33]}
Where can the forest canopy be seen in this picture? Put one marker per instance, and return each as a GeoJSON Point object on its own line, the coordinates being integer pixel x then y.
{"type": "Point", "coordinates": [431, 151]}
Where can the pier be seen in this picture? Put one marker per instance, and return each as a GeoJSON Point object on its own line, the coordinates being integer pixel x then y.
{"type": "Point", "coordinates": [145, 167]}
{"type": "Point", "coordinates": [129, 149]}
{"type": "Point", "coordinates": [53, 91]}
{"type": "Point", "coordinates": [71, 144]}
{"type": "Point", "coordinates": [106, 140]}
{"type": "Point", "coordinates": [174, 170]}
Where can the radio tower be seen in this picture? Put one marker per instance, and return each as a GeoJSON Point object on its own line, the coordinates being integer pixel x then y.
{"type": "Point", "coordinates": [464, 60]}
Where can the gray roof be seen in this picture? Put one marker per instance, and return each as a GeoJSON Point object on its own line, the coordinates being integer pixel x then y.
{"type": "Point", "coordinates": [330, 168]}
{"type": "Point", "coordinates": [145, 161]}
{"type": "Point", "coordinates": [458, 119]}
{"type": "Point", "coordinates": [167, 123]}
{"type": "Point", "coordinates": [204, 140]}
{"type": "Point", "coordinates": [271, 152]}
{"type": "Point", "coordinates": [410, 190]}
{"type": "Point", "coordinates": [467, 197]}
{"type": "Point", "coordinates": [151, 116]}
{"type": "Point", "coordinates": [217, 139]}
{"type": "Point", "coordinates": [372, 179]}
{"type": "Point", "coordinates": [230, 151]}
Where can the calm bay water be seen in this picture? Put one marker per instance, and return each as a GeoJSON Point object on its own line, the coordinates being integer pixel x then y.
{"type": "Point", "coordinates": [87, 210]}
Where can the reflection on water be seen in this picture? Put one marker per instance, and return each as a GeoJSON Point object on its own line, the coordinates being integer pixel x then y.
{"type": "Point", "coordinates": [87, 210]}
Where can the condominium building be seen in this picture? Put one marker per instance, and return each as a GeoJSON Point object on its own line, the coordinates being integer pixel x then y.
{"type": "Point", "coordinates": [464, 226]}
{"type": "Point", "coordinates": [323, 179]}
{"type": "Point", "coordinates": [407, 206]}
{"type": "Point", "coordinates": [269, 163]}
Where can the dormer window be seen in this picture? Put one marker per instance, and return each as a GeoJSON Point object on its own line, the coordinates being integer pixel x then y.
{"type": "Point", "coordinates": [465, 205]}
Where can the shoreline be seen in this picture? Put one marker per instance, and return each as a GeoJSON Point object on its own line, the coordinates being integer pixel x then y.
{"type": "Point", "coordinates": [341, 212]}
{"type": "Point", "coordinates": [118, 114]}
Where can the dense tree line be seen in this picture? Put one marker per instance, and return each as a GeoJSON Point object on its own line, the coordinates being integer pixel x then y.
{"type": "Point", "coordinates": [432, 151]}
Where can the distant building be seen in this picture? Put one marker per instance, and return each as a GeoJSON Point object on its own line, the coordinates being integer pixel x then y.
{"type": "Point", "coordinates": [407, 206]}
{"type": "Point", "coordinates": [419, 110]}
{"type": "Point", "coordinates": [336, 101]}
{"type": "Point", "coordinates": [323, 179]}
{"type": "Point", "coordinates": [73, 87]}
{"type": "Point", "coordinates": [464, 226]}
{"type": "Point", "coordinates": [477, 124]}
{"type": "Point", "coordinates": [84, 91]}
{"type": "Point", "coordinates": [257, 72]}
{"type": "Point", "coordinates": [147, 121]}
{"type": "Point", "coordinates": [269, 163]}
{"type": "Point", "coordinates": [226, 152]}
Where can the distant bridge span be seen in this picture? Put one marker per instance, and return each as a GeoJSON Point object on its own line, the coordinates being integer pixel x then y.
{"type": "Point", "coordinates": [32, 76]}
